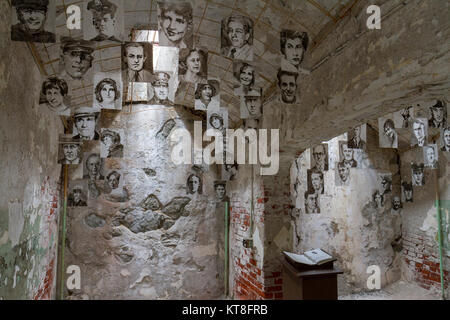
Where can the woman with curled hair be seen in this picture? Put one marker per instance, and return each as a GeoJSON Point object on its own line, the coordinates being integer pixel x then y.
{"type": "Point", "coordinates": [204, 94]}
{"type": "Point", "coordinates": [245, 74]}
{"type": "Point", "coordinates": [175, 24]}
{"type": "Point", "coordinates": [193, 65]}
{"type": "Point", "coordinates": [106, 94]}
{"type": "Point", "coordinates": [54, 95]}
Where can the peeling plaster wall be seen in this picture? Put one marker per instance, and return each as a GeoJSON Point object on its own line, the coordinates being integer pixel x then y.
{"type": "Point", "coordinates": [156, 241]}
{"type": "Point", "coordinates": [29, 173]}
{"type": "Point", "coordinates": [420, 252]}
{"type": "Point", "coordinates": [349, 226]}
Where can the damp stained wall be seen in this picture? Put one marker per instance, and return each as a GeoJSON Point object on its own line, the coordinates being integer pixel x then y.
{"type": "Point", "coordinates": [349, 226]}
{"type": "Point", "coordinates": [29, 175]}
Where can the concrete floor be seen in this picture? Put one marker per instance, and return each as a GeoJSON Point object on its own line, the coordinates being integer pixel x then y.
{"type": "Point", "coordinates": [400, 290]}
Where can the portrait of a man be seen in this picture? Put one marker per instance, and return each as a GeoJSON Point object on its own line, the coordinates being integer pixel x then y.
{"type": "Point", "coordinates": [342, 174]}
{"type": "Point", "coordinates": [312, 202]}
{"type": "Point", "coordinates": [419, 132]}
{"type": "Point", "coordinates": [430, 156]}
{"type": "Point", "coordinates": [107, 91]}
{"type": "Point", "coordinates": [175, 24]}
{"type": "Point", "coordinates": [93, 167]}
{"type": "Point", "coordinates": [251, 107]}
{"type": "Point", "coordinates": [207, 95]}
{"type": "Point", "coordinates": [405, 117]}
{"type": "Point", "coordinates": [161, 89]}
{"type": "Point", "coordinates": [70, 151]}
{"type": "Point", "coordinates": [221, 191]}
{"type": "Point", "coordinates": [293, 45]}
{"type": "Point", "coordinates": [287, 84]}
{"type": "Point", "coordinates": [111, 146]}
{"type": "Point", "coordinates": [194, 184]}
{"type": "Point", "coordinates": [112, 181]}
{"type": "Point", "coordinates": [357, 138]}
{"type": "Point", "coordinates": [418, 176]}
{"type": "Point", "coordinates": [229, 171]}
{"type": "Point", "coordinates": [103, 20]}
{"type": "Point", "coordinates": [315, 181]}
{"type": "Point", "coordinates": [54, 96]}
{"type": "Point", "coordinates": [33, 21]}
{"type": "Point", "coordinates": [319, 157]}
{"type": "Point", "coordinates": [438, 115]}
{"type": "Point", "coordinates": [85, 122]}
{"type": "Point", "coordinates": [346, 155]}
{"type": "Point", "coordinates": [76, 58]}
{"type": "Point", "coordinates": [407, 191]}
{"type": "Point", "coordinates": [388, 137]}
{"type": "Point", "coordinates": [77, 196]}
{"type": "Point", "coordinates": [396, 205]}
{"type": "Point", "coordinates": [137, 62]}
{"type": "Point", "coordinates": [445, 134]}
{"type": "Point", "coordinates": [237, 37]}
{"type": "Point", "coordinates": [385, 181]}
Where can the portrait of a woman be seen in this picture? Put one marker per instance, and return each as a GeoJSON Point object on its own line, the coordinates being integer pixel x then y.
{"type": "Point", "coordinates": [193, 65]}
{"type": "Point", "coordinates": [245, 75]}
{"type": "Point", "coordinates": [107, 95]}
{"type": "Point", "coordinates": [54, 96]}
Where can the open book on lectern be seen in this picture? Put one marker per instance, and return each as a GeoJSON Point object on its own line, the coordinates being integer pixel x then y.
{"type": "Point", "coordinates": [312, 257]}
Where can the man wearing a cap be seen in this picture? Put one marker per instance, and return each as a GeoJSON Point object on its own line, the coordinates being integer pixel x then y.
{"type": "Point", "coordinates": [71, 150]}
{"type": "Point", "coordinates": [438, 113]}
{"type": "Point", "coordinates": [75, 198]}
{"type": "Point", "coordinates": [104, 19]}
{"type": "Point", "coordinates": [134, 57]}
{"type": "Point", "coordinates": [32, 15]}
{"type": "Point", "coordinates": [161, 88]}
{"type": "Point", "coordinates": [76, 57]}
{"type": "Point", "coordinates": [111, 143]}
{"type": "Point", "coordinates": [85, 120]}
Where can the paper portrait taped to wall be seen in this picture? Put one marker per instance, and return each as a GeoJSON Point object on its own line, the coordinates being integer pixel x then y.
{"type": "Point", "coordinates": [77, 193]}
{"type": "Point", "coordinates": [419, 132]}
{"type": "Point", "coordinates": [445, 139]}
{"type": "Point", "coordinates": [384, 182]}
{"type": "Point", "coordinates": [417, 174]}
{"type": "Point", "coordinates": [287, 83]}
{"type": "Point", "coordinates": [220, 189]}
{"type": "Point", "coordinates": [217, 119]}
{"type": "Point", "coordinates": [342, 174]}
{"type": "Point", "coordinates": [404, 117]}
{"type": "Point", "coordinates": [111, 143]}
{"type": "Point", "coordinates": [319, 157]}
{"type": "Point", "coordinates": [76, 59]}
{"type": "Point", "coordinates": [33, 21]}
{"type": "Point", "coordinates": [357, 137]}
{"type": "Point", "coordinates": [137, 62]}
{"type": "Point", "coordinates": [207, 95]}
{"type": "Point", "coordinates": [193, 65]}
{"type": "Point", "coordinates": [438, 112]}
{"type": "Point", "coordinates": [70, 151]}
{"type": "Point", "coordinates": [237, 37]}
{"type": "Point", "coordinates": [244, 75]}
{"type": "Point", "coordinates": [251, 107]}
{"type": "Point", "coordinates": [315, 180]}
{"type": "Point", "coordinates": [293, 46]}
{"type": "Point", "coordinates": [194, 183]}
{"type": "Point", "coordinates": [347, 155]}
{"type": "Point", "coordinates": [85, 123]}
{"type": "Point", "coordinates": [108, 90]}
{"type": "Point", "coordinates": [103, 20]}
{"type": "Point", "coordinates": [430, 156]}
{"type": "Point", "coordinates": [54, 96]}
{"type": "Point", "coordinates": [175, 24]}
{"type": "Point", "coordinates": [163, 91]}
{"type": "Point", "coordinates": [114, 182]}
{"type": "Point", "coordinates": [407, 192]}
{"type": "Point", "coordinates": [388, 136]}
{"type": "Point", "coordinates": [312, 204]}
{"type": "Point", "coordinates": [93, 166]}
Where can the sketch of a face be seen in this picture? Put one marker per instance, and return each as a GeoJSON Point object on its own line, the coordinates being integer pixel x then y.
{"type": "Point", "coordinates": [288, 88]}
{"type": "Point", "coordinates": [114, 180]}
{"type": "Point", "coordinates": [294, 51]}
{"type": "Point", "coordinates": [378, 200]}
{"type": "Point", "coordinates": [174, 26]}
{"type": "Point", "coordinates": [216, 122]}
{"type": "Point", "coordinates": [316, 181]}
{"type": "Point", "coordinates": [419, 130]}
{"type": "Point", "coordinates": [93, 164]}
{"type": "Point", "coordinates": [220, 191]}
{"type": "Point", "coordinates": [344, 172]}
{"type": "Point", "coordinates": [319, 155]}
{"type": "Point", "coordinates": [108, 93]}
{"type": "Point", "coordinates": [33, 19]}
{"type": "Point", "coordinates": [396, 204]}
{"type": "Point", "coordinates": [105, 24]}
{"type": "Point", "coordinates": [77, 193]}
{"type": "Point", "coordinates": [447, 137]}
{"type": "Point", "coordinates": [107, 140]}
{"type": "Point", "coordinates": [206, 93]}
{"type": "Point", "coordinates": [246, 76]}
{"type": "Point", "coordinates": [311, 202]}
{"type": "Point", "coordinates": [161, 91]}
{"type": "Point", "coordinates": [389, 130]}
{"type": "Point", "coordinates": [430, 155]}
{"type": "Point", "coordinates": [85, 125]}
{"type": "Point", "coordinates": [417, 177]}
{"type": "Point", "coordinates": [76, 62]}
{"type": "Point", "coordinates": [70, 151]}
{"type": "Point", "coordinates": [437, 113]}
{"type": "Point", "coordinates": [194, 62]}
{"type": "Point", "coordinates": [135, 58]}
{"type": "Point", "coordinates": [357, 132]}
{"type": "Point", "coordinates": [194, 184]}
{"type": "Point", "coordinates": [253, 105]}
{"type": "Point", "coordinates": [54, 97]}
{"type": "Point", "coordinates": [347, 152]}
{"type": "Point", "coordinates": [236, 34]}
{"type": "Point", "coordinates": [385, 185]}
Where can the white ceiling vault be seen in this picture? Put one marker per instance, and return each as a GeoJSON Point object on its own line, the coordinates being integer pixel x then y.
{"type": "Point", "coordinates": [316, 17]}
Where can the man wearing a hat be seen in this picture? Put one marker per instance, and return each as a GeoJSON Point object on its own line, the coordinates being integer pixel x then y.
{"type": "Point", "coordinates": [161, 88]}
{"type": "Point", "coordinates": [85, 121]}
{"type": "Point", "coordinates": [70, 149]}
{"type": "Point", "coordinates": [32, 15]}
{"type": "Point", "coordinates": [111, 143]}
{"type": "Point", "coordinates": [104, 19]}
{"type": "Point", "coordinates": [76, 57]}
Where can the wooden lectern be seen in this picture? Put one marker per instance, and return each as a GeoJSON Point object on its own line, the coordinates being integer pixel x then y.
{"type": "Point", "coordinates": [309, 282]}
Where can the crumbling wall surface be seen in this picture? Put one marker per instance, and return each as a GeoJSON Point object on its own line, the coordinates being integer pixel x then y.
{"type": "Point", "coordinates": [155, 241]}
{"type": "Point", "coordinates": [350, 226]}
{"type": "Point", "coordinates": [420, 252]}
{"type": "Point", "coordinates": [29, 174]}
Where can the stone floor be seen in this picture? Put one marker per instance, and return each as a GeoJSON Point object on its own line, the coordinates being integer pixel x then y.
{"type": "Point", "coordinates": [400, 290]}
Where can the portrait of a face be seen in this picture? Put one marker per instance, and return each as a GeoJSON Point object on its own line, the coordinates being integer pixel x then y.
{"type": "Point", "coordinates": [388, 137]}
{"type": "Point", "coordinates": [244, 79]}
{"type": "Point", "coordinates": [33, 21]}
{"type": "Point", "coordinates": [404, 117]}
{"type": "Point", "coordinates": [69, 150]}
{"type": "Point", "coordinates": [418, 177]}
{"type": "Point", "coordinates": [385, 181]}
{"type": "Point", "coordinates": [407, 192]}
{"type": "Point", "coordinates": [293, 45]}
{"type": "Point", "coordinates": [175, 24]}
{"type": "Point", "coordinates": [319, 157]}
{"type": "Point", "coordinates": [93, 167]}
{"type": "Point", "coordinates": [135, 57]}
{"type": "Point", "coordinates": [342, 174]}
{"type": "Point", "coordinates": [315, 181]}
{"type": "Point", "coordinates": [357, 137]}
{"type": "Point", "coordinates": [161, 89]}
{"type": "Point", "coordinates": [193, 65]}
{"type": "Point", "coordinates": [287, 83]}
{"type": "Point", "coordinates": [237, 37]}
{"type": "Point", "coordinates": [251, 107]}
{"type": "Point", "coordinates": [111, 146]}
{"type": "Point", "coordinates": [85, 124]}
{"type": "Point", "coordinates": [220, 188]}
{"type": "Point", "coordinates": [347, 152]}
{"type": "Point", "coordinates": [438, 115]}
{"type": "Point", "coordinates": [378, 199]}
{"type": "Point", "coordinates": [77, 196]}
{"type": "Point", "coordinates": [194, 184]}
{"type": "Point", "coordinates": [419, 128]}
{"type": "Point", "coordinates": [217, 119]}
{"type": "Point", "coordinates": [113, 180]}
{"type": "Point", "coordinates": [54, 95]}
{"type": "Point", "coordinates": [396, 203]}
{"type": "Point", "coordinates": [103, 20]}
{"type": "Point", "coordinates": [445, 134]}
{"type": "Point", "coordinates": [76, 57]}
{"type": "Point", "coordinates": [311, 202]}
{"type": "Point", "coordinates": [430, 156]}
{"type": "Point", "coordinates": [229, 171]}
{"type": "Point", "coordinates": [207, 95]}
{"type": "Point", "coordinates": [107, 91]}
